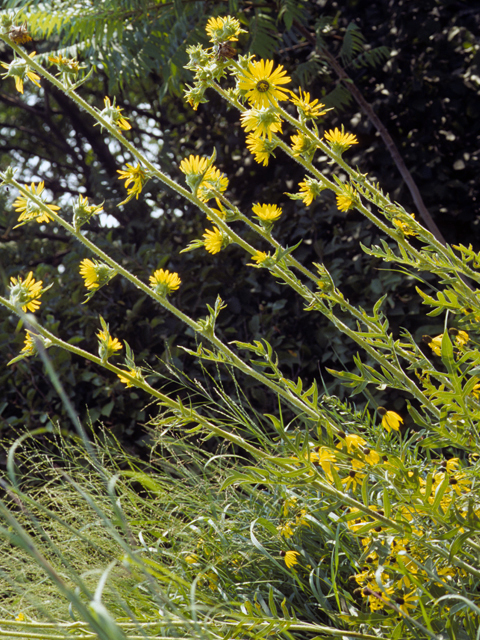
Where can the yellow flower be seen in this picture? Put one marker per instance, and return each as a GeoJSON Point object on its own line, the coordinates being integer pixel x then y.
{"type": "Point", "coordinates": [30, 210]}
{"type": "Point", "coordinates": [261, 83]}
{"type": "Point", "coordinates": [20, 71]}
{"type": "Point", "coordinates": [26, 293]}
{"type": "Point", "coordinates": [107, 346]}
{"type": "Point", "coordinates": [301, 145]}
{"type": "Point", "coordinates": [309, 190]}
{"type": "Point", "coordinates": [306, 108]}
{"type": "Point", "coordinates": [460, 338]}
{"type": "Point", "coordinates": [205, 181]}
{"type": "Point", "coordinates": [223, 29]}
{"type": "Point", "coordinates": [405, 227]}
{"type": "Point", "coordinates": [82, 211]}
{"type": "Point", "coordinates": [339, 140]}
{"type": "Point", "coordinates": [290, 558]}
{"type": "Point", "coordinates": [285, 529]}
{"type": "Point", "coordinates": [68, 67]}
{"type": "Point", "coordinates": [351, 441]}
{"type": "Point", "coordinates": [20, 617]}
{"type": "Point", "coordinates": [406, 601]}
{"type": "Point", "coordinates": [164, 282]}
{"type": "Point", "coordinates": [460, 483]}
{"type": "Point", "coordinates": [260, 257]}
{"type": "Point", "coordinates": [96, 274]}
{"type": "Point", "coordinates": [29, 347]}
{"type": "Point", "coordinates": [192, 558]}
{"type": "Point", "coordinates": [213, 240]}
{"type": "Point", "coordinates": [371, 456]}
{"type": "Point", "coordinates": [260, 148]}
{"type": "Point", "coordinates": [135, 373]}
{"type": "Point", "coordinates": [390, 419]}
{"type": "Point", "coordinates": [263, 122]}
{"type": "Point", "coordinates": [354, 477]}
{"type": "Point", "coordinates": [267, 212]}
{"type": "Point", "coordinates": [346, 200]}
{"type": "Point", "coordinates": [137, 177]}
{"type": "Point", "coordinates": [113, 115]}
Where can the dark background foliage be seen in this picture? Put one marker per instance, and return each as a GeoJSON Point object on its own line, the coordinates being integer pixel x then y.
{"type": "Point", "coordinates": [425, 92]}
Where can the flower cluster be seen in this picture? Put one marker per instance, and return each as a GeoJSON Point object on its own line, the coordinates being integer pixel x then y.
{"type": "Point", "coordinates": [203, 178]}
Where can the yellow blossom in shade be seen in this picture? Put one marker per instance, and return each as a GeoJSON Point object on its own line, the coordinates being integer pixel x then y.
{"type": "Point", "coordinates": [262, 149]}
{"type": "Point", "coordinates": [113, 115]}
{"type": "Point", "coordinates": [309, 190]}
{"type": "Point", "coordinates": [404, 226]}
{"type": "Point", "coordinates": [71, 65]}
{"type": "Point", "coordinates": [96, 274]}
{"type": "Point", "coordinates": [192, 558]}
{"type": "Point", "coordinates": [213, 240]}
{"type": "Point", "coordinates": [82, 211]}
{"type": "Point", "coordinates": [223, 29]}
{"type": "Point", "coordinates": [460, 483]}
{"type": "Point", "coordinates": [267, 212]}
{"type": "Point", "coordinates": [354, 477]}
{"type": "Point", "coordinates": [371, 456]}
{"type": "Point", "coordinates": [301, 145]}
{"type": "Point", "coordinates": [29, 346]}
{"type": "Point", "coordinates": [325, 457]}
{"type": "Point", "coordinates": [406, 601]}
{"type": "Point", "coordinates": [286, 529]}
{"type": "Point", "coordinates": [135, 176]}
{"type": "Point", "coordinates": [263, 122]}
{"type": "Point", "coordinates": [339, 140]}
{"type": "Point", "coordinates": [435, 344]}
{"type": "Point", "coordinates": [30, 210]}
{"type": "Point", "coordinates": [390, 419]}
{"type": "Point", "coordinates": [261, 256]}
{"type": "Point", "coordinates": [461, 337]}
{"type": "Point", "coordinates": [135, 373]}
{"type": "Point", "coordinates": [20, 71]}
{"type": "Point", "coordinates": [347, 199]}
{"type": "Point", "coordinates": [306, 107]}
{"type": "Point", "coordinates": [107, 346]}
{"type": "Point", "coordinates": [351, 441]}
{"type": "Point", "coordinates": [26, 293]}
{"type": "Point", "coordinates": [290, 558]}
{"type": "Point", "coordinates": [164, 282]}
{"type": "Point", "coordinates": [203, 179]}
{"type": "Point", "coordinates": [20, 617]}
{"type": "Point", "coordinates": [261, 83]}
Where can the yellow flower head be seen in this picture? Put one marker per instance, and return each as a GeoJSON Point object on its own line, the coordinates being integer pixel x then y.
{"type": "Point", "coordinates": [135, 373]}
{"type": "Point", "coordinates": [205, 180]}
{"type": "Point", "coordinates": [223, 29]}
{"type": "Point", "coordinates": [29, 347]}
{"type": "Point", "coordinates": [107, 346]}
{"type": "Point", "coordinates": [113, 115]}
{"type": "Point", "coordinates": [261, 83]}
{"type": "Point", "coordinates": [20, 71]}
{"type": "Point", "coordinates": [135, 176]}
{"type": "Point", "coordinates": [26, 293]}
{"type": "Point", "coordinates": [305, 107]}
{"type": "Point", "coordinates": [262, 259]}
{"type": "Point", "coordinates": [96, 274]}
{"type": "Point", "coordinates": [82, 211]}
{"type": "Point", "coordinates": [290, 558]}
{"type": "Point", "coordinates": [260, 148]}
{"type": "Point", "coordinates": [405, 227]}
{"type": "Point", "coordinates": [68, 68]}
{"type": "Point", "coordinates": [213, 240]}
{"type": "Point", "coordinates": [30, 210]}
{"type": "Point", "coordinates": [263, 122]}
{"type": "Point", "coordinates": [301, 145]}
{"type": "Point", "coordinates": [164, 282]}
{"type": "Point", "coordinates": [352, 442]}
{"type": "Point", "coordinates": [339, 140]}
{"type": "Point", "coordinates": [309, 190]}
{"type": "Point", "coordinates": [285, 529]}
{"type": "Point", "coordinates": [347, 199]}
{"type": "Point", "coordinates": [267, 212]}
{"type": "Point", "coordinates": [390, 419]}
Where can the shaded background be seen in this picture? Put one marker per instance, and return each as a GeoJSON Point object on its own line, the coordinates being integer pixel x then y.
{"type": "Point", "coordinates": [425, 91]}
